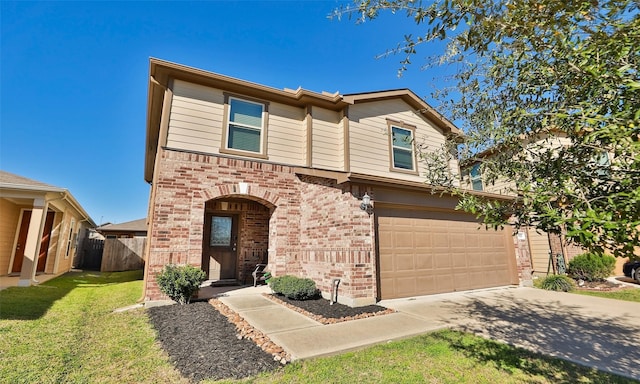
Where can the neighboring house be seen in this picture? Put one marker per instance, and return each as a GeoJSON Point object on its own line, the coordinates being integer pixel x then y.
{"type": "Point", "coordinates": [543, 246]}
{"type": "Point", "coordinates": [129, 229]}
{"type": "Point", "coordinates": [242, 173]}
{"type": "Point", "coordinates": [41, 228]}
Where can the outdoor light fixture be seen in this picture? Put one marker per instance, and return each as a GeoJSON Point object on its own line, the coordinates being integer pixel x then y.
{"type": "Point", "coordinates": [366, 202]}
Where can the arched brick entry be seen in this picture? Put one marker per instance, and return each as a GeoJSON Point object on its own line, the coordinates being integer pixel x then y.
{"type": "Point", "coordinates": [243, 191]}
{"type": "Point", "coordinates": [235, 236]}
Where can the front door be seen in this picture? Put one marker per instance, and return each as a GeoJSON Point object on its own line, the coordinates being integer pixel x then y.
{"type": "Point", "coordinates": [221, 245]}
{"type": "Point", "coordinates": [22, 242]}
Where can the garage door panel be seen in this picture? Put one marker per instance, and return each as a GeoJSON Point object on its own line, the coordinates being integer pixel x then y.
{"type": "Point", "coordinates": [458, 259]}
{"type": "Point", "coordinates": [424, 252]}
{"type": "Point", "coordinates": [426, 284]}
{"type": "Point", "coordinates": [444, 283]}
{"type": "Point", "coordinates": [386, 263]}
{"type": "Point", "coordinates": [403, 239]}
{"type": "Point", "coordinates": [442, 260]}
{"type": "Point", "coordinates": [422, 240]}
{"type": "Point", "coordinates": [405, 285]}
{"type": "Point", "coordinates": [424, 261]}
{"type": "Point", "coordinates": [404, 263]}
{"type": "Point", "coordinates": [474, 261]}
{"type": "Point", "coordinates": [385, 239]}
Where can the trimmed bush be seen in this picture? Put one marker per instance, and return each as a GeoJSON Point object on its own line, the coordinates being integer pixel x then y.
{"type": "Point", "coordinates": [180, 282]}
{"type": "Point", "coordinates": [591, 267]}
{"type": "Point", "coordinates": [560, 283]}
{"type": "Point", "coordinates": [294, 288]}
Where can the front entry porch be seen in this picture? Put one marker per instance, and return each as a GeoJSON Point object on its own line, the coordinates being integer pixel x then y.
{"type": "Point", "coordinates": [235, 240]}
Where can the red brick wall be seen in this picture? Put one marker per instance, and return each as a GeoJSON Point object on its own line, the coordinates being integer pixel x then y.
{"type": "Point", "coordinates": [315, 228]}
{"type": "Point", "coordinates": [570, 250]}
{"type": "Point", "coordinates": [336, 239]}
{"type": "Point", "coordinates": [523, 258]}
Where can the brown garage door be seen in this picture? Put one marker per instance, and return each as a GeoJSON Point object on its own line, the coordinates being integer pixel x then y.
{"type": "Point", "coordinates": [426, 252]}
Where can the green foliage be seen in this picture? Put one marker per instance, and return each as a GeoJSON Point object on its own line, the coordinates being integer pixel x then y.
{"type": "Point", "coordinates": [591, 267]}
{"type": "Point", "coordinates": [550, 86]}
{"type": "Point", "coordinates": [560, 283]}
{"type": "Point", "coordinates": [294, 288]}
{"type": "Point", "coordinates": [180, 282]}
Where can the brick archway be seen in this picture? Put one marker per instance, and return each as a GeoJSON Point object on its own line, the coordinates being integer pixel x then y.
{"type": "Point", "coordinates": [236, 234]}
{"type": "Point", "coordinates": [244, 191]}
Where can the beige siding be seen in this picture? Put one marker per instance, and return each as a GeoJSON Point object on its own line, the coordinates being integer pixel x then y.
{"type": "Point", "coordinates": [369, 137]}
{"type": "Point", "coordinates": [328, 140]}
{"type": "Point", "coordinates": [8, 227]}
{"type": "Point", "coordinates": [501, 187]}
{"type": "Point", "coordinates": [197, 116]}
{"type": "Point", "coordinates": [195, 122]}
{"type": "Point", "coordinates": [539, 246]}
{"type": "Point", "coordinates": [287, 134]}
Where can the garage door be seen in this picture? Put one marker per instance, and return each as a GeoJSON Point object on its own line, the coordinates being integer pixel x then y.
{"type": "Point", "coordinates": [426, 252]}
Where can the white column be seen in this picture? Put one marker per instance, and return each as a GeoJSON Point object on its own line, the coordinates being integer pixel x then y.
{"type": "Point", "coordinates": [32, 246]}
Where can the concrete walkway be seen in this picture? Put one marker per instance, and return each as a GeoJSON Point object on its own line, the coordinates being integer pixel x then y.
{"type": "Point", "coordinates": [587, 330]}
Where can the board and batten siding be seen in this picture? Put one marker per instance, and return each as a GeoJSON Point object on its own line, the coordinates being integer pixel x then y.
{"type": "Point", "coordinates": [327, 140]}
{"type": "Point", "coordinates": [369, 137]}
{"type": "Point", "coordinates": [196, 124]}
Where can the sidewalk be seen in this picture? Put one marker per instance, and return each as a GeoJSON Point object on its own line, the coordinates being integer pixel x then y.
{"type": "Point", "coordinates": [304, 338]}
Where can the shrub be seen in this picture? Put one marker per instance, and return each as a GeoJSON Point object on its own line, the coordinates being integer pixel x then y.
{"type": "Point", "coordinates": [180, 282]}
{"type": "Point", "coordinates": [591, 267]}
{"type": "Point", "coordinates": [294, 288]}
{"type": "Point", "coordinates": [560, 283]}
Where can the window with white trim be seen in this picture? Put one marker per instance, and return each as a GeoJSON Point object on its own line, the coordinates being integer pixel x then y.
{"type": "Point", "coordinates": [245, 126]}
{"type": "Point", "coordinates": [70, 239]}
{"type": "Point", "coordinates": [402, 156]}
{"type": "Point", "coordinates": [475, 177]}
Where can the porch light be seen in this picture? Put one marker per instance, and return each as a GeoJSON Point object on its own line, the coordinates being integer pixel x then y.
{"type": "Point", "coordinates": [366, 202]}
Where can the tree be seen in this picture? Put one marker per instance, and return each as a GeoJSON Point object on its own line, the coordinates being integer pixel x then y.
{"type": "Point", "coordinates": [528, 73]}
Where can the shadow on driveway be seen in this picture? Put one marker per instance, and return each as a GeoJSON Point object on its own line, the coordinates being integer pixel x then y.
{"type": "Point", "coordinates": [596, 332]}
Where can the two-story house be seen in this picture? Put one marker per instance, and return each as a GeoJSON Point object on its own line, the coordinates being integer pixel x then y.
{"type": "Point", "coordinates": [319, 185]}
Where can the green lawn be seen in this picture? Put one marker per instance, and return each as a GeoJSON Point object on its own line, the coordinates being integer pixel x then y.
{"type": "Point", "coordinates": [65, 331]}
{"type": "Point", "coordinates": [629, 294]}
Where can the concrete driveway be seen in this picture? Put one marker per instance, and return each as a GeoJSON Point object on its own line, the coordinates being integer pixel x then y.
{"type": "Point", "coordinates": [592, 331]}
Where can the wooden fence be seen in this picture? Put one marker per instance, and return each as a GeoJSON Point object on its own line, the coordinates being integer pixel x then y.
{"type": "Point", "coordinates": [123, 254]}
{"type": "Point", "coordinates": [90, 255]}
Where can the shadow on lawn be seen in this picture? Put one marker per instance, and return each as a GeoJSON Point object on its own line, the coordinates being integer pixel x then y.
{"type": "Point", "coordinates": [30, 303]}
{"type": "Point", "coordinates": [552, 328]}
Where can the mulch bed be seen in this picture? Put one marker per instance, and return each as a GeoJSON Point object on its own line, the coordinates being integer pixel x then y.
{"type": "Point", "coordinates": [324, 312]}
{"type": "Point", "coordinates": [202, 343]}
{"type": "Point", "coordinates": [210, 341]}
{"type": "Point", "coordinates": [602, 286]}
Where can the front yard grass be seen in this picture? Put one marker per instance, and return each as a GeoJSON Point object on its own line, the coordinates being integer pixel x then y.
{"type": "Point", "coordinates": [65, 331]}
{"type": "Point", "coordinates": [439, 357]}
{"type": "Point", "coordinates": [627, 294]}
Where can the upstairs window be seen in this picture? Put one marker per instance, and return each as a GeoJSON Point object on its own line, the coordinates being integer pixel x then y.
{"type": "Point", "coordinates": [402, 154]}
{"type": "Point", "coordinates": [245, 127]}
{"type": "Point", "coordinates": [475, 177]}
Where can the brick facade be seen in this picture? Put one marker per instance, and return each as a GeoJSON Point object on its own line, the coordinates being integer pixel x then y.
{"type": "Point", "coordinates": [523, 258]}
{"type": "Point", "coordinates": [301, 225]}
{"type": "Point", "coordinates": [309, 226]}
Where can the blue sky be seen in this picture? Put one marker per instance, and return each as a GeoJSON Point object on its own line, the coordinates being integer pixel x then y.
{"type": "Point", "coordinates": [74, 78]}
